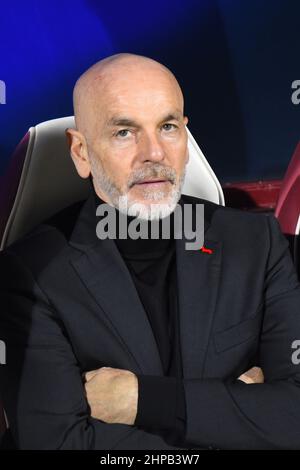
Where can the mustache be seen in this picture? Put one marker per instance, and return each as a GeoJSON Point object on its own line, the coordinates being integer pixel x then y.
{"type": "Point", "coordinates": [155, 171]}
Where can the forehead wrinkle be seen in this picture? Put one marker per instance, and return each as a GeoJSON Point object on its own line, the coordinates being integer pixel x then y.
{"type": "Point", "coordinates": [127, 121]}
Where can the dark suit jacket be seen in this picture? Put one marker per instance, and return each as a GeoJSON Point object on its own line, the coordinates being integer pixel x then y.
{"type": "Point", "coordinates": [68, 305]}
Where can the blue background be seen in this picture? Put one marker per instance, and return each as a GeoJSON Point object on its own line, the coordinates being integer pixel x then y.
{"type": "Point", "coordinates": [235, 60]}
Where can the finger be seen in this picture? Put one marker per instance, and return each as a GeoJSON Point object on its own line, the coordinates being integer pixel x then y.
{"type": "Point", "coordinates": [244, 378]}
{"type": "Point", "coordinates": [253, 375]}
{"type": "Point", "coordinates": [256, 374]}
{"type": "Point", "coordinates": [89, 375]}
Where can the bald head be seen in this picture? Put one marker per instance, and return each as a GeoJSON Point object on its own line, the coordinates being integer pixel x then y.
{"type": "Point", "coordinates": [107, 76]}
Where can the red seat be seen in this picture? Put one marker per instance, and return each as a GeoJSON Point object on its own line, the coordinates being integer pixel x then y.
{"type": "Point", "coordinates": [287, 209]}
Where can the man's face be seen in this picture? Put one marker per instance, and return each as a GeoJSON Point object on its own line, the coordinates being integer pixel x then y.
{"type": "Point", "coordinates": [139, 136]}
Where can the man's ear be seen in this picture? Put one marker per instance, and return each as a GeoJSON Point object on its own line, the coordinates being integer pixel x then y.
{"type": "Point", "coordinates": [79, 153]}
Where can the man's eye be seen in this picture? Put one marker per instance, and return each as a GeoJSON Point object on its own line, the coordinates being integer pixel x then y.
{"type": "Point", "coordinates": [122, 133]}
{"type": "Point", "coordinates": [168, 127]}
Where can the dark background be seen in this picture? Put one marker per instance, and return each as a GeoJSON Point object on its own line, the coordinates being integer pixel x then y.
{"type": "Point", "coordinates": [234, 59]}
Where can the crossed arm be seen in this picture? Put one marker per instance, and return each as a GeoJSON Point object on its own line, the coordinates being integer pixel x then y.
{"type": "Point", "coordinates": [112, 393]}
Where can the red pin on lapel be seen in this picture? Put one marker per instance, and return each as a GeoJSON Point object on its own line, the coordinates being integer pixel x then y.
{"type": "Point", "coordinates": [206, 250]}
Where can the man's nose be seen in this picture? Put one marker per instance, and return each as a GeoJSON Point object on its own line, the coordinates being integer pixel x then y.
{"type": "Point", "coordinates": [151, 148]}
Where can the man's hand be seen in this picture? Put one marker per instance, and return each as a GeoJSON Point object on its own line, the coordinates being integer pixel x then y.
{"type": "Point", "coordinates": [112, 395]}
{"type": "Point", "coordinates": [252, 376]}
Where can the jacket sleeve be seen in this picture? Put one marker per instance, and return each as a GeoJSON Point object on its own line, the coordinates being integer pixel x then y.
{"type": "Point", "coordinates": [41, 383]}
{"type": "Point", "coordinates": [161, 404]}
{"type": "Point", "coordinates": [235, 415]}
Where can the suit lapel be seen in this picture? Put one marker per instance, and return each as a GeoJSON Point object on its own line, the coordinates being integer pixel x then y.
{"type": "Point", "coordinates": [198, 276]}
{"type": "Point", "coordinates": [105, 275]}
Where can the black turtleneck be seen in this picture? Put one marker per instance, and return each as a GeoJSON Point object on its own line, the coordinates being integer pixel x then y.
{"type": "Point", "coordinates": [152, 265]}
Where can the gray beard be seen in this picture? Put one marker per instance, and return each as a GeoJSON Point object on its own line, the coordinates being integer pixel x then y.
{"type": "Point", "coordinates": [129, 206]}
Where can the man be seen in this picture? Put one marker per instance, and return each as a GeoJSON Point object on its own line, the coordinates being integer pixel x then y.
{"type": "Point", "coordinates": [142, 344]}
